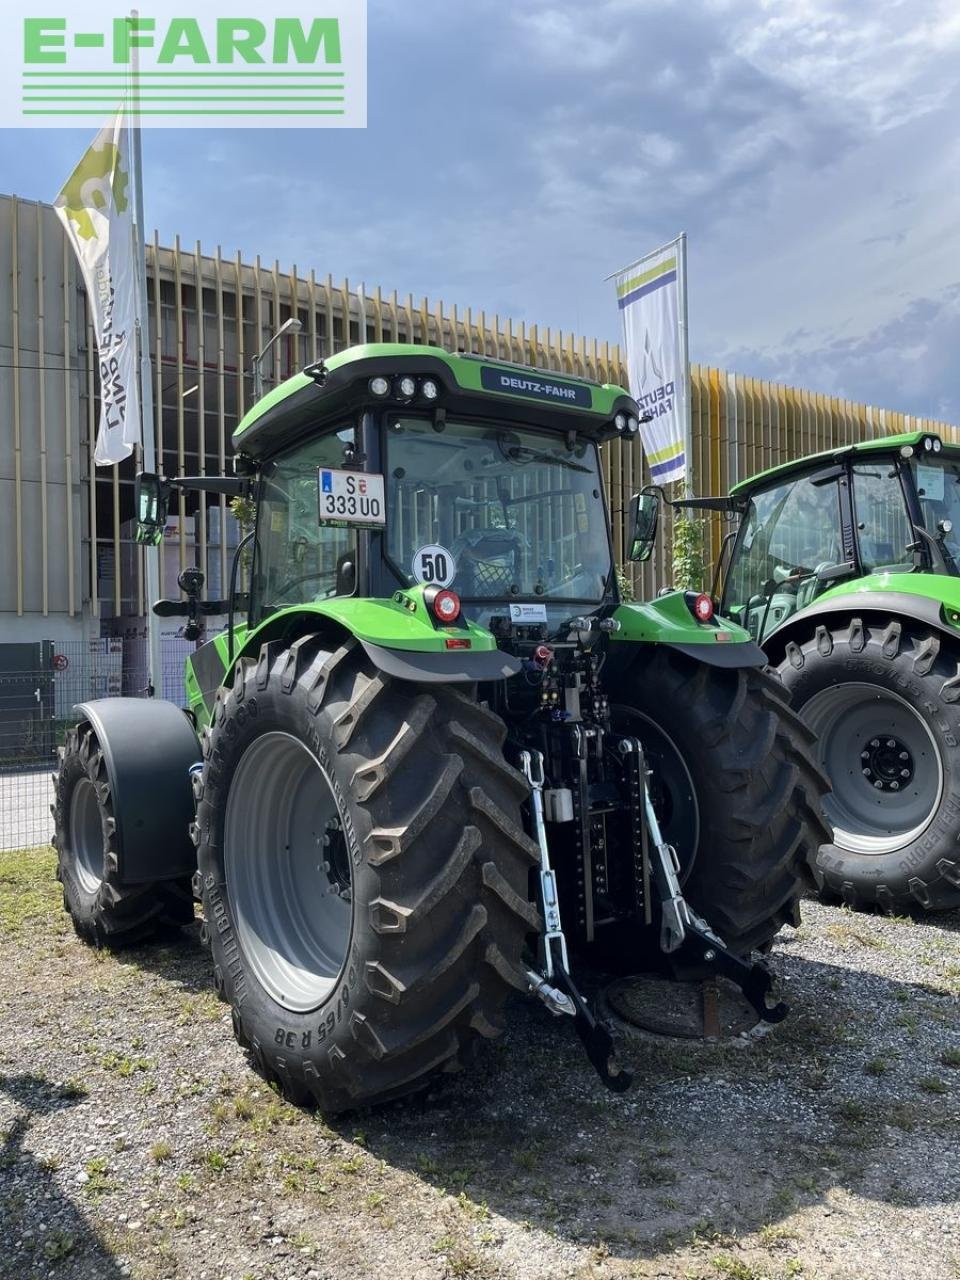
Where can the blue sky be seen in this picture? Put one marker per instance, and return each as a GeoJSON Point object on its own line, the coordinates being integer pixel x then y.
{"type": "Point", "coordinates": [517, 154]}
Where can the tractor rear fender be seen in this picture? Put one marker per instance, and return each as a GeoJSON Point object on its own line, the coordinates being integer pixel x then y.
{"type": "Point", "coordinates": [745, 654]}
{"type": "Point", "coordinates": [400, 640]}
{"type": "Point", "coordinates": [877, 605]}
{"type": "Point", "coordinates": [148, 747]}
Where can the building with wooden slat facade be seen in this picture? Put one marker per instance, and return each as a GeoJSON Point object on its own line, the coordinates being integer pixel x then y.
{"type": "Point", "coordinates": [68, 565]}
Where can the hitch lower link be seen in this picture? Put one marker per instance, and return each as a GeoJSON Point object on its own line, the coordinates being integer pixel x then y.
{"type": "Point", "coordinates": [684, 934]}
{"type": "Point", "coordinates": [554, 986]}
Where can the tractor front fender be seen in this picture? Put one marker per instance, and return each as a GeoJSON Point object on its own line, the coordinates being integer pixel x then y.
{"type": "Point", "coordinates": [148, 746]}
{"type": "Point", "coordinates": [855, 604]}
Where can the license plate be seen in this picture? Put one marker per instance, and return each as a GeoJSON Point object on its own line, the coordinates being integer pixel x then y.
{"type": "Point", "coordinates": [351, 498]}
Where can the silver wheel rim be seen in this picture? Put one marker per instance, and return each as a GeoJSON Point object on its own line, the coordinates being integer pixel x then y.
{"type": "Point", "coordinates": [86, 835]}
{"type": "Point", "coordinates": [883, 763]}
{"type": "Point", "coordinates": [287, 869]}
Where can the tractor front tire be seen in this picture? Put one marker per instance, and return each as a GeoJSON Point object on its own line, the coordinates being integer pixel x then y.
{"type": "Point", "coordinates": [105, 912]}
{"type": "Point", "coordinates": [364, 873]}
{"type": "Point", "coordinates": [725, 747]}
{"type": "Point", "coordinates": [883, 697]}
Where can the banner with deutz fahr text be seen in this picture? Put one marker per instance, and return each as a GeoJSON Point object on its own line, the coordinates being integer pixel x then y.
{"type": "Point", "coordinates": [649, 301]}
{"type": "Point", "coordinates": [95, 209]}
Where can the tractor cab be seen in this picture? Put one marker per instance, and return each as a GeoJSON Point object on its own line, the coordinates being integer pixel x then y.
{"type": "Point", "coordinates": [885, 507]}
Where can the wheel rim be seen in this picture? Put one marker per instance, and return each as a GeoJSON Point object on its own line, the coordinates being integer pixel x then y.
{"type": "Point", "coordinates": [671, 787]}
{"type": "Point", "coordinates": [288, 874]}
{"type": "Point", "coordinates": [883, 763]}
{"type": "Point", "coordinates": [86, 836]}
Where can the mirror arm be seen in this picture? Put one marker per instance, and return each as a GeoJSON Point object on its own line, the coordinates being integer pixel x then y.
{"type": "Point", "coordinates": [231, 486]}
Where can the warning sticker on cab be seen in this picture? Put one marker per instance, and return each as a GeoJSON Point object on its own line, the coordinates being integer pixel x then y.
{"type": "Point", "coordinates": [352, 498]}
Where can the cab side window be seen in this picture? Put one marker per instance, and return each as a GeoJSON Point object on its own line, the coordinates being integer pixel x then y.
{"type": "Point", "coordinates": [883, 528]}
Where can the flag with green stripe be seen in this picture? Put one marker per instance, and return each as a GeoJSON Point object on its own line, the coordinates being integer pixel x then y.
{"type": "Point", "coordinates": [650, 305]}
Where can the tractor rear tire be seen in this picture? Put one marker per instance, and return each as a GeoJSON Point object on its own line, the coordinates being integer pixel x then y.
{"type": "Point", "coordinates": [368, 908]}
{"type": "Point", "coordinates": [745, 762]}
{"type": "Point", "coordinates": [884, 698]}
{"type": "Point", "coordinates": [105, 912]}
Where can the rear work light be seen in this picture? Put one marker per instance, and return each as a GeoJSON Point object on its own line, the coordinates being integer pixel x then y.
{"type": "Point", "coordinates": [703, 608]}
{"type": "Point", "coordinates": [446, 606]}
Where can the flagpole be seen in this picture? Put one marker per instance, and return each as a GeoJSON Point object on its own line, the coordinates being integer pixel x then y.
{"type": "Point", "coordinates": [685, 362]}
{"type": "Point", "coordinates": [147, 425]}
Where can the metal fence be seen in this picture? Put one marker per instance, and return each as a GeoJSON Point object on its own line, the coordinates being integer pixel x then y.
{"type": "Point", "coordinates": [40, 683]}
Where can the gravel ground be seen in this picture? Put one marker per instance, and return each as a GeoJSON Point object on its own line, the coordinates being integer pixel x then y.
{"type": "Point", "coordinates": [137, 1142]}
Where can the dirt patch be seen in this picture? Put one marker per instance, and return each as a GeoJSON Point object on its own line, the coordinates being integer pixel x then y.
{"type": "Point", "coordinates": [136, 1141]}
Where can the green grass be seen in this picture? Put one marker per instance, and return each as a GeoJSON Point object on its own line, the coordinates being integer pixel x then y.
{"type": "Point", "coordinates": [931, 1084]}
{"type": "Point", "coordinates": [29, 891]}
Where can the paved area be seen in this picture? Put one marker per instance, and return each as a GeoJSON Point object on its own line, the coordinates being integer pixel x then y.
{"type": "Point", "coordinates": [25, 799]}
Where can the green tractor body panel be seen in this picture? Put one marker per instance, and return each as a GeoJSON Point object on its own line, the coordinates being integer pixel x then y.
{"type": "Point", "coordinates": [927, 586]}
{"type": "Point", "coordinates": [930, 598]}
{"type": "Point", "coordinates": [479, 377]}
{"type": "Point", "coordinates": [468, 384]}
{"type": "Point", "coordinates": [667, 620]}
{"type": "Point", "coordinates": [400, 623]}
{"type": "Point", "coordinates": [864, 448]}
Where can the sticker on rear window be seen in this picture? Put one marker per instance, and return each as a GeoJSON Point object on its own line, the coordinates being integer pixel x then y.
{"type": "Point", "coordinates": [930, 482]}
{"type": "Point", "coordinates": [434, 565]}
{"type": "Point", "coordinates": [528, 613]}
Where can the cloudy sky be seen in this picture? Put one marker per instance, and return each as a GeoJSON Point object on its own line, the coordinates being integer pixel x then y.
{"type": "Point", "coordinates": [516, 154]}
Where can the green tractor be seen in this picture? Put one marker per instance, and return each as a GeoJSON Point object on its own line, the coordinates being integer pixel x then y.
{"type": "Point", "coordinates": [844, 567]}
{"type": "Point", "coordinates": [435, 757]}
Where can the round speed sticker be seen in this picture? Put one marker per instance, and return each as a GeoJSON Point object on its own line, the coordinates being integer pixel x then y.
{"type": "Point", "coordinates": [434, 565]}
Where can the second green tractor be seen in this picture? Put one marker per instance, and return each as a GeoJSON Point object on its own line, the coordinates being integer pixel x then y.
{"type": "Point", "coordinates": [844, 566]}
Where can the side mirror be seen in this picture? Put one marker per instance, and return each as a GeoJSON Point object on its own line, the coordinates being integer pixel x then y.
{"type": "Point", "coordinates": [644, 518]}
{"type": "Point", "coordinates": [152, 498]}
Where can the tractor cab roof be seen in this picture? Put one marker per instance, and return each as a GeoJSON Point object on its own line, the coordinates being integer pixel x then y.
{"type": "Point", "coordinates": [399, 375]}
{"type": "Point", "coordinates": [812, 462]}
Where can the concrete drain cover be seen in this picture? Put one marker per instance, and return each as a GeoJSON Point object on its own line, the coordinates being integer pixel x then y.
{"type": "Point", "coordinates": [709, 1010]}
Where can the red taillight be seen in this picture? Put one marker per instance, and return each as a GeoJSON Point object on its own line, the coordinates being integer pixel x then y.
{"type": "Point", "coordinates": [703, 608]}
{"type": "Point", "coordinates": [458, 644]}
{"type": "Point", "coordinates": [446, 606]}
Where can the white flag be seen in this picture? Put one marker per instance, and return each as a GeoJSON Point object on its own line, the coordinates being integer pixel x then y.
{"type": "Point", "coordinates": [95, 209]}
{"type": "Point", "coordinates": [648, 297]}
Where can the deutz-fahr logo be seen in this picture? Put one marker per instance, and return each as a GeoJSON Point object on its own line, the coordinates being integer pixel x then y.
{"type": "Point", "coordinates": [207, 67]}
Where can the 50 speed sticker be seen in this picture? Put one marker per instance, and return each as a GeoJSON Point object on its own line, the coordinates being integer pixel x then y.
{"type": "Point", "coordinates": [434, 565]}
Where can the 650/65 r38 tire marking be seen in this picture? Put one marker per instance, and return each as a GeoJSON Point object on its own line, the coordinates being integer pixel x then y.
{"type": "Point", "coordinates": [367, 908]}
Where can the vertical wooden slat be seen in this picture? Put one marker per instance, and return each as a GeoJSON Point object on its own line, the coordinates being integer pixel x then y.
{"type": "Point", "coordinates": [312, 339]}
{"type": "Point", "coordinates": [42, 422]}
{"type": "Point", "coordinates": [181, 446]}
{"type": "Point", "coordinates": [221, 416]}
{"type": "Point", "coordinates": [331, 343]}
{"type": "Point", "coordinates": [68, 347]}
{"type": "Point", "coordinates": [241, 352]}
{"type": "Point", "coordinates": [201, 403]}
{"type": "Point", "coordinates": [17, 454]}
{"type": "Point", "coordinates": [91, 468]}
